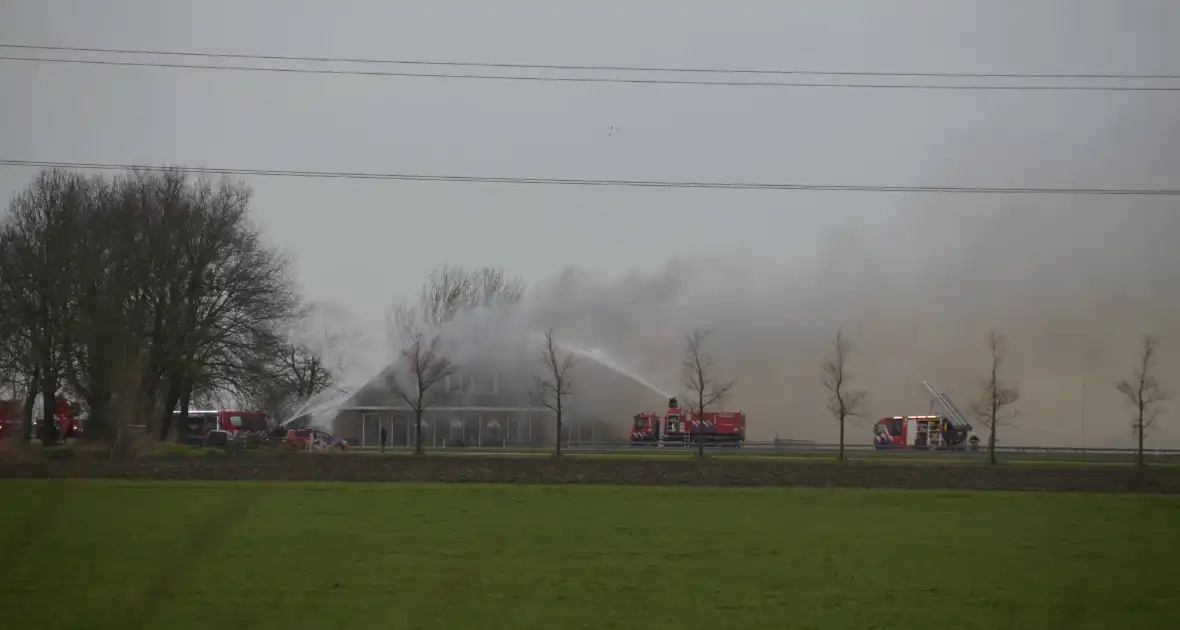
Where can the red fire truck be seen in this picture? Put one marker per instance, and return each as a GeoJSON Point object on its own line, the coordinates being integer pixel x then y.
{"type": "Point", "coordinates": [65, 414]}
{"type": "Point", "coordinates": [9, 418]}
{"type": "Point", "coordinates": [681, 426]}
{"type": "Point", "coordinates": [949, 431]}
{"type": "Point", "coordinates": [251, 425]}
{"type": "Point", "coordinates": [917, 432]}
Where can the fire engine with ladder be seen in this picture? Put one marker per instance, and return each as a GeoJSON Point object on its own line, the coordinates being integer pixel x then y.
{"type": "Point", "coordinates": [949, 430]}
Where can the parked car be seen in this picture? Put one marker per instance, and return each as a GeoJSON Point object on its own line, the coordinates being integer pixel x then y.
{"type": "Point", "coordinates": [216, 438]}
{"type": "Point", "coordinates": [313, 440]}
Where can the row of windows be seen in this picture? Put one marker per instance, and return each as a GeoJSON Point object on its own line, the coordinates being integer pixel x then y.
{"type": "Point", "coordinates": [468, 429]}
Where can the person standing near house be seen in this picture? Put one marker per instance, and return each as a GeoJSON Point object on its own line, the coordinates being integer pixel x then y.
{"type": "Point", "coordinates": [384, 437]}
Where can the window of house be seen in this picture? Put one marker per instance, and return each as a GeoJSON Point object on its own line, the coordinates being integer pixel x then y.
{"type": "Point", "coordinates": [454, 383]}
{"type": "Point", "coordinates": [370, 429]}
{"type": "Point", "coordinates": [475, 382]}
{"type": "Point", "coordinates": [483, 382]}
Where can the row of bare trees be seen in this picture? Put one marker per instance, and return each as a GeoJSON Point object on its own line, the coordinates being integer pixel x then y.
{"type": "Point", "coordinates": [554, 385]}
{"type": "Point", "coordinates": [424, 363]}
{"type": "Point", "coordinates": [453, 290]}
{"type": "Point", "coordinates": [143, 293]}
{"type": "Point", "coordinates": [995, 406]}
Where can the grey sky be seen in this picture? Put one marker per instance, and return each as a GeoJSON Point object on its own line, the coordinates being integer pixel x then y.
{"type": "Point", "coordinates": [361, 244]}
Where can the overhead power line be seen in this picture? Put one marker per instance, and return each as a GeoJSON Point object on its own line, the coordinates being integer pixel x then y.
{"type": "Point", "coordinates": [544, 181]}
{"type": "Point", "coordinates": [599, 79]}
{"type": "Point", "coordinates": [545, 79]}
{"type": "Point", "coordinates": [595, 68]}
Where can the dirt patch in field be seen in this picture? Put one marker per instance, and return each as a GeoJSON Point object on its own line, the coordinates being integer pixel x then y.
{"type": "Point", "coordinates": [620, 471]}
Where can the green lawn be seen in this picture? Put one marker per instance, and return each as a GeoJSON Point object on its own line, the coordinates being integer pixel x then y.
{"type": "Point", "coordinates": [159, 556]}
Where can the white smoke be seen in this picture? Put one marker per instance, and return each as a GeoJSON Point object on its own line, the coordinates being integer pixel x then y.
{"type": "Point", "coordinates": [1072, 291]}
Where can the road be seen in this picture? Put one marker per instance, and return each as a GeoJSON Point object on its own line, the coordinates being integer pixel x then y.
{"type": "Point", "coordinates": [854, 451]}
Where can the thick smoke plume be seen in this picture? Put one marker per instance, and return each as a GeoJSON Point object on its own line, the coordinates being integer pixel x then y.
{"type": "Point", "coordinates": [1072, 289]}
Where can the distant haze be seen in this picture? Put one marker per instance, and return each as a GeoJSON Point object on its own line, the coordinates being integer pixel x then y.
{"type": "Point", "coordinates": [915, 279]}
{"type": "Point", "coordinates": [1073, 290]}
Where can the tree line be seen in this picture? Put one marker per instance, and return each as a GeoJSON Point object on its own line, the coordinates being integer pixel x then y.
{"type": "Point", "coordinates": [147, 292]}
{"type": "Point", "coordinates": [451, 290]}
{"type": "Point", "coordinates": [142, 294]}
{"type": "Point", "coordinates": [994, 405]}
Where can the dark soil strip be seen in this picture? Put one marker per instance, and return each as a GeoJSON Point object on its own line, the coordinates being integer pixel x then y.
{"type": "Point", "coordinates": [617, 471]}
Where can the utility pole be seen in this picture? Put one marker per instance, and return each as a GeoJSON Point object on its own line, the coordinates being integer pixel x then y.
{"type": "Point", "coordinates": [1082, 416]}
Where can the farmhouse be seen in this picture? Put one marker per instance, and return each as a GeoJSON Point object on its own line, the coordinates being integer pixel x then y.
{"type": "Point", "coordinates": [487, 402]}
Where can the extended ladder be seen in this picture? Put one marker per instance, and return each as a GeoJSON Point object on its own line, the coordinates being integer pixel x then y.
{"type": "Point", "coordinates": [953, 414]}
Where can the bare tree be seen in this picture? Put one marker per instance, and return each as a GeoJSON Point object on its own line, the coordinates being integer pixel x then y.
{"type": "Point", "coordinates": [996, 399]}
{"type": "Point", "coordinates": [19, 370]}
{"type": "Point", "coordinates": [238, 299]}
{"type": "Point", "coordinates": [117, 295]}
{"type": "Point", "coordinates": [415, 327]}
{"type": "Point", "coordinates": [147, 277]}
{"type": "Point", "coordinates": [451, 290]}
{"type": "Point", "coordinates": [551, 388]}
{"type": "Point", "coordinates": [296, 375]}
{"type": "Point", "coordinates": [422, 367]}
{"type": "Point", "coordinates": [13, 366]}
{"type": "Point", "coordinates": [703, 384]}
{"type": "Point", "coordinates": [174, 268]}
{"type": "Point", "coordinates": [21, 376]}
{"type": "Point", "coordinates": [129, 294]}
{"type": "Point", "coordinates": [1144, 392]}
{"type": "Point", "coordinates": [42, 231]}
{"type": "Point", "coordinates": [311, 363]}
{"type": "Point", "coordinates": [843, 403]}
{"type": "Point", "coordinates": [239, 341]}
{"type": "Point", "coordinates": [330, 333]}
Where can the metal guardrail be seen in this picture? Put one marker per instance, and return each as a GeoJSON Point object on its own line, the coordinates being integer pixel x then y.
{"type": "Point", "coordinates": [779, 447]}
{"type": "Point", "coordinates": [782, 447]}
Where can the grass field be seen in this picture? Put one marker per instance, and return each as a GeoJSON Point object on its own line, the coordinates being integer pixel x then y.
{"type": "Point", "coordinates": [187, 555]}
